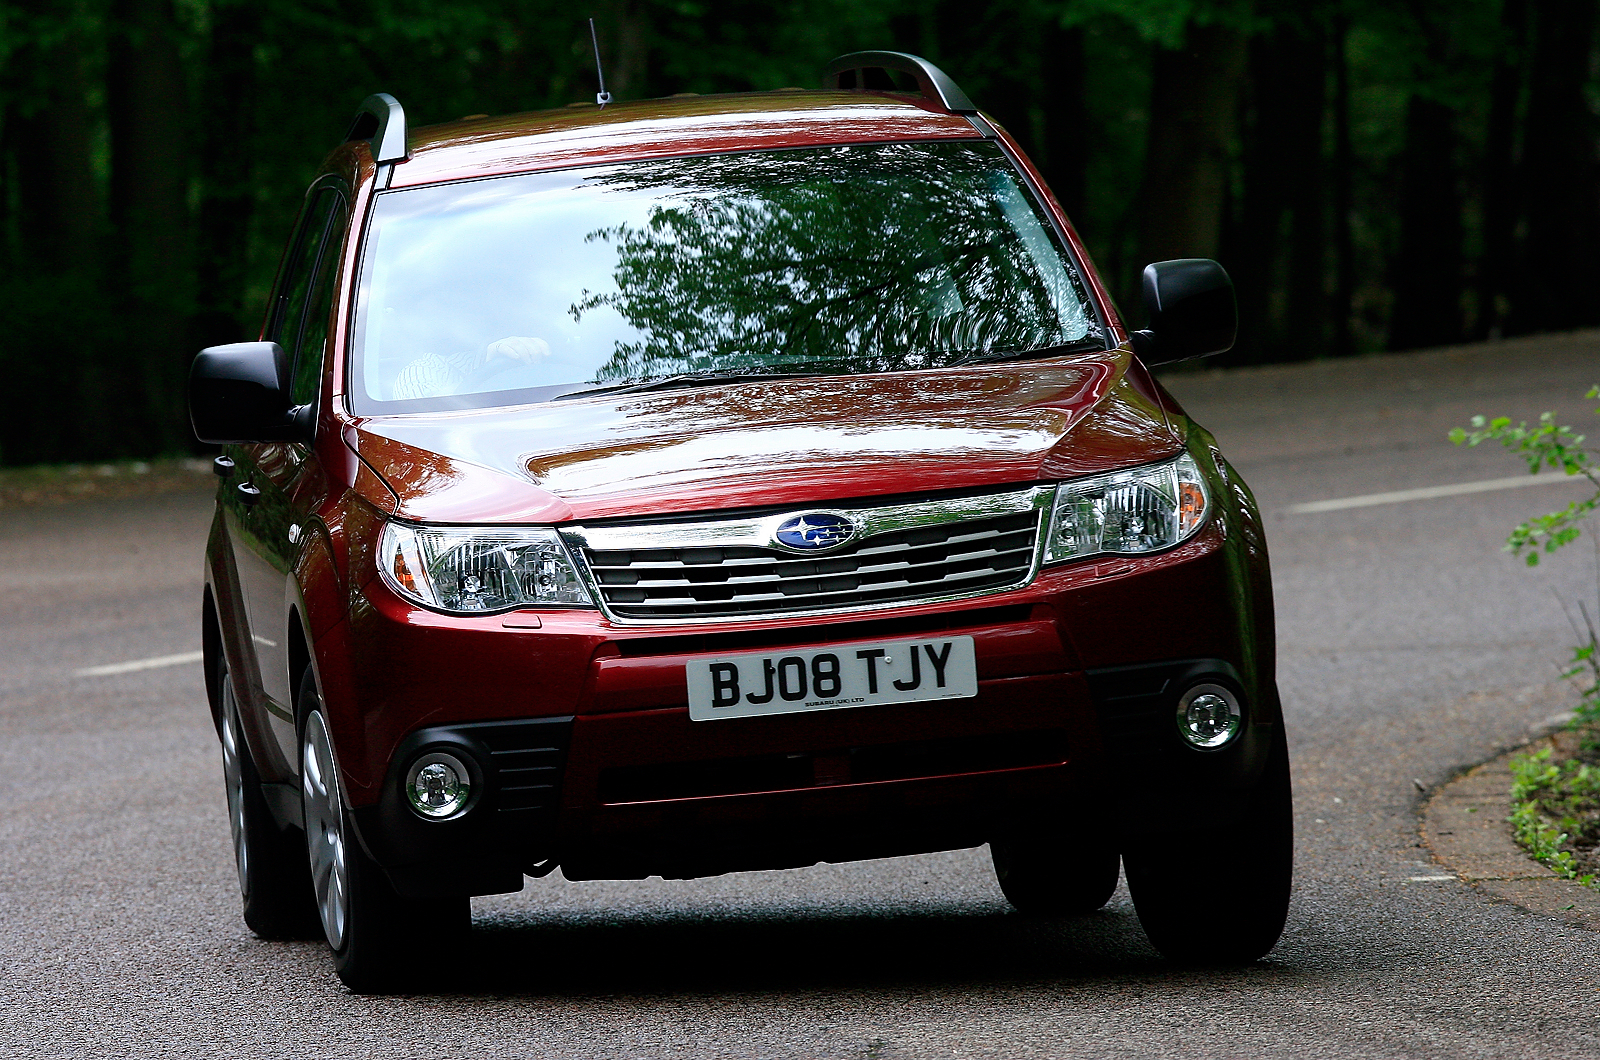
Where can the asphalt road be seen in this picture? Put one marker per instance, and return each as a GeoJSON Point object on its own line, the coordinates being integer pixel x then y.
{"type": "Point", "coordinates": [1410, 646]}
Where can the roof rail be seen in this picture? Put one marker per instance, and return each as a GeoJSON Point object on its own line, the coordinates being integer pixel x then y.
{"type": "Point", "coordinates": [869, 72]}
{"type": "Point", "coordinates": [381, 122]}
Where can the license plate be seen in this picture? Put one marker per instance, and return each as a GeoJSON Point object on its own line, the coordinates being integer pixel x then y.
{"type": "Point", "coordinates": [853, 675]}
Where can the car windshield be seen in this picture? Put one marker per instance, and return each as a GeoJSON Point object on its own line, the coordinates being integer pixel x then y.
{"type": "Point", "coordinates": [841, 260]}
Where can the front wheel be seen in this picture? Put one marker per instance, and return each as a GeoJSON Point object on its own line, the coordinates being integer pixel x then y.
{"type": "Point", "coordinates": [1218, 892]}
{"type": "Point", "coordinates": [373, 932]}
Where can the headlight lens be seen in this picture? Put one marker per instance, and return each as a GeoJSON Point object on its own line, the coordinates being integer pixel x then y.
{"type": "Point", "coordinates": [469, 569]}
{"type": "Point", "coordinates": [1128, 512]}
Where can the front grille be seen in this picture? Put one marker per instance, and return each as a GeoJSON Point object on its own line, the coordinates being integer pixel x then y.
{"type": "Point", "coordinates": [940, 555]}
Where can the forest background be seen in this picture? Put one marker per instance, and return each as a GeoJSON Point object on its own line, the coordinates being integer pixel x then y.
{"type": "Point", "coordinates": [1374, 175]}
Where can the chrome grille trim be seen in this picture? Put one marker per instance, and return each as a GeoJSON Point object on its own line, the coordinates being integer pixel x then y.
{"type": "Point", "coordinates": [732, 569]}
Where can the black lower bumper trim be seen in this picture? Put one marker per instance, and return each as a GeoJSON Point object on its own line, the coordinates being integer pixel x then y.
{"type": "Point", "coordinates": [517, 768]}
{"type": "Point", "coordinates": [1137, 711]}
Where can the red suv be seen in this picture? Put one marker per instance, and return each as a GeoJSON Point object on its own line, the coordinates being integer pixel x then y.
{"type": "Point", "coordinates": [728, 482]}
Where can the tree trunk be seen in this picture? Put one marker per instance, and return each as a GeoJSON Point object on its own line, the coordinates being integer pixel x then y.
{"type": "Point", "coordinates": [52, 313]}
{"type": "Point", "coordinates": [58, 212]}
{"type": "Point", "coordinates": [1306, 304]}
{"type": "Point", "coordinates": [1193, 98]}
{"type": "Point", "coordinates": [1066, 129]}
{"type": "Point", "coordinates": [622, 26]}
{"type": "Point", "coordinates": [150, 212]}
{"type": "Point", "coordinates": [1500, 170]}
{"type": "Point", "coordinates": [1277, 254]}
{"type": "Point", "coordinates": [1560, 274]}
{"type": "Point", "coordinates": [1428, 269]}
{"type": "Point", "coordinates": [1253, 257]}
{"type": "Point", "coordinates": [227, 168]}
{"type": "Point", "coordinates": [1344, 288]}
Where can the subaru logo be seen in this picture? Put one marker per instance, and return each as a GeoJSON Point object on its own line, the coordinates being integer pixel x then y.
{"type": "Point", "coordinates": [814, 531]}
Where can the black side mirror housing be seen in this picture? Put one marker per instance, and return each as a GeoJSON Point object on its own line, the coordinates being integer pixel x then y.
{"type": "Point", "coordinates": [1191, 308]}
{"type": "Point", "coordinates": [240, 393]}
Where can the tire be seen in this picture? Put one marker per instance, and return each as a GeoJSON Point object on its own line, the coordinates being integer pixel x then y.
{"type": "Point", "coordinates": [274, 879]}
{"type": "Point", "coordinates": [374, 933]}
{"type": "Point", "coordinates": [1055, 873]}
{"type": "Point", "coordinates": [1219, 895]}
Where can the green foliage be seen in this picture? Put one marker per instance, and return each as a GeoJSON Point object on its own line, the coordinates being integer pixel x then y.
{"type": "Point", "coordinates": [1585, 666]}
{"type": "Point", "coordinates": [1555, 813]}
{"type": "Point", "coordinates": [262, 91]}
{"type": "Point", "coordinates": [1557, 447]}
{"type": "Point", "coordinates": [1163, 22]}
{"type": "Point", "coordinates": [1546, 445]}
{"type": "Point", "coordinates": [822, 260]}
{"type": "Point", "coordinates": [1556, 809]}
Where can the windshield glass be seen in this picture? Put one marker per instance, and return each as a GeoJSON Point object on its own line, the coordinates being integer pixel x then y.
{"type": "Point", "coordinates": [840, 260]}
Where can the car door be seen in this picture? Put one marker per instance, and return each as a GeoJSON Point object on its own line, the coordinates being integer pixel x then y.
{"type": "Point", "coordinates": [278, 481]}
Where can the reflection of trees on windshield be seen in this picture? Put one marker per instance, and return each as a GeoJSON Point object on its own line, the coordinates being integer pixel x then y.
{"type": "Point", "coordinates": [860, 259]}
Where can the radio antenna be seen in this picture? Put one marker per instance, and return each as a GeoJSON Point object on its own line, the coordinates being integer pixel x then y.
{"type": "Point", "coordinates": [601, 97]}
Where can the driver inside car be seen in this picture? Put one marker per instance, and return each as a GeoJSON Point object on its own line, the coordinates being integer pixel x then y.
{"type": "Point", "coordinates": [434, 376]}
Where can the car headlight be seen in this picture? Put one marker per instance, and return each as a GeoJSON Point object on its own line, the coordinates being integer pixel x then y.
{"type": "Point", "coordinates": [1127, 512]}
{"type": "Point", "coordinates": [472, 569]}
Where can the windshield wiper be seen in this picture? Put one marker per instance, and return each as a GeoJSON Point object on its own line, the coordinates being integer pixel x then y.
{"type": "Point", "coordinates": [692, 379]}
{"type": "Point", "coordinates": [695, 379]}
{"type": "Point", "coordinates": [1078, 346]}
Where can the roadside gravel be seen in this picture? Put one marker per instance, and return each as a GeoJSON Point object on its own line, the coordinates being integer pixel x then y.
{"type": "Point", "coordinates": [64, 483]}
{"type": "Point", "coordinates": [1463, 823]}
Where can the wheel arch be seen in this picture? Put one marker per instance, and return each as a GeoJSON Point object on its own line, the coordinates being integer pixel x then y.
{"type": "Point", "coordinates": [299, 662]}
{"type": "Point", "coordinates": [211, 653]}
{"type": "Point", "coordinates": [316, 604]}
{"type": "Point", "coordinates": [299, 653]}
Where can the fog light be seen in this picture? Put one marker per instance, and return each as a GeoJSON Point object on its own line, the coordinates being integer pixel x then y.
{"type": "Point", "coordinates": [438, 785]}
{"type": "Point", "coordinates": [1209, 716]}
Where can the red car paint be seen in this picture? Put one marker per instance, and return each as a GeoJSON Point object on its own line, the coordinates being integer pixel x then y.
{"type": "Point", "coordinates": [387, 668]}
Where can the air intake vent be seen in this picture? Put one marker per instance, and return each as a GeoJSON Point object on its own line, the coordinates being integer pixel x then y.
{"type": "Point", "coordinates": [526, 758]}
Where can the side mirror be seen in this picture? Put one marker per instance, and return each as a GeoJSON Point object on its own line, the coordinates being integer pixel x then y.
{"type": "Point", "coordinates": [240, 393]}
{"type": "Point", "coordinates": [1191, 309]}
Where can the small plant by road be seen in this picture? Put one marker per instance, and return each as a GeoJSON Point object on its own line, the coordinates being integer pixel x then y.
{"type": "Point", "coordinates": [1558, 448]}
{"type": "Point", "coordinates": [1555, 812]}
{"type": "Point", "coordinates": [1542, 446]}
{"type": "Point", "coordinates": [1555, 797]}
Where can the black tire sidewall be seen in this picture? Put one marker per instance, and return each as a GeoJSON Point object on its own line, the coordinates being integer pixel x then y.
{"type": "Point", "coordinates": [381, 927]}
{"type": "Point", "coordinates": [276, 889]}
{"type": "Point", "coordinates": [1244, 864]}
{"type": "Point", "coordinates": [1055, 871]}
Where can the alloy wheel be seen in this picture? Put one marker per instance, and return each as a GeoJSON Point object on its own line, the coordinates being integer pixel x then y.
{"type": "Point", "coordinates": [324, 813]}
{"type": "Point", "coordinates": [233, 778]}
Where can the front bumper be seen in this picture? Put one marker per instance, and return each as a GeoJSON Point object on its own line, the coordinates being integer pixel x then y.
{"type": "Point", "coordinates": [1072, 715]}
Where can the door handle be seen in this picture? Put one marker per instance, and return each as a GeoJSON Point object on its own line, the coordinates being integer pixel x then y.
{"type": "Point", "coordinates": [249, 494]}
{"type": "Point", "coordinates": [222, 466]}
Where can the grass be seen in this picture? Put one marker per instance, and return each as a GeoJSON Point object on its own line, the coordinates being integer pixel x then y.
{"type": "Point", "coordinates": [1555, 805]}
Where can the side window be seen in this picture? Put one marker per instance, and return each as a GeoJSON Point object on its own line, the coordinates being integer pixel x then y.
{"type": "Point", "coordinates": [297, 285]}
{"type": "Point", "coordinates": [314, 332]}
{"type": "Point", "coordinates": [295, 280]}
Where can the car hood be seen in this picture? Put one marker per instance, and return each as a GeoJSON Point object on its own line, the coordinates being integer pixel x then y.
{"type": "Point", "coordinates": [755, 444]}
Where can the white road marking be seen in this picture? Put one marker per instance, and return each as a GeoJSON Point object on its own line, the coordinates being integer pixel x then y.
{"type": "Point", "coordinates": [181, 659]}
{"type": "Point", "coordinates": [1429, 492]}
{"type": "Point", "coordinates": [1429, 879]}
